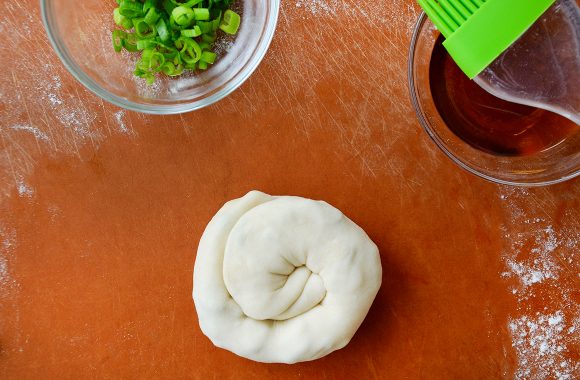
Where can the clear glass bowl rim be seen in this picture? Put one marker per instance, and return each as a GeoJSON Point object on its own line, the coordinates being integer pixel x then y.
{"type": "Point", "coordinates": [433, 135]}
{"type": "Point", "coordinates": [232, 85]}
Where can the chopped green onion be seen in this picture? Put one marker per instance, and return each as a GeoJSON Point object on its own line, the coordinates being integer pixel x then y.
{"type": "Point", "coordinates": [168, 6]}
{"type": "Point", "coordinates": [208, 57]}
{"type": "Point", "coordinates": [215, 24]}
{"type": "Point", "coordinates": [191, 3]}
{"type": "Point", "coordinates": [130, 43]}
{"type": "Point", "coordinates": [172, 57]}
{"type": "Point", "coordinates": [152, 16]}
{"type": "Point", "coordinates": [172, 25]}
{"type": "Point", "coordinates": [179, 43]}
{"type": "Point", "coordinates": [191, 52]}
{"type": "Point", "coordinates": [195, 32]}
{"type": "Point", "coordinates": [204, 26]}
{"type": "Point", "coordinates": [149, 4]}
{"type": "Point", "coordinates": [204, 46]}
{"type": "Point", "coordinates": [171, 69]}
{"type": "Point", "coordinates": [168, 68]}
{"type": "Point", "coordinates": [178, 70]}
{"type": "Point", "coordinates": [171, 36]}
{"type": "Point", "coordinates": [201, 13]}
{"type": "Point", "coordinates": [146, 44]}
{"type": "Point", "coordinates": [118, 37]}
{"type": "Point", "coordinates": [121, 20]}
{"type": "Point", "coordinates": [146, 58]}
{"type": "Point", "coordinates": [143, 29]}
{"type": "Point", "coordinates": [156, 62]}
{"type": "Point", "coordinates": [183, 15]}
{"type": "Point", "coordinates": [209, 38]}
{"type": "Point", "coordinates": [130, 9]}
{"type": "Point", "coordinates": [162, 31]}
{"type": "Point", "coordinates": [230, 22]}
{"type": "Point", "coordinates": [149, 78]}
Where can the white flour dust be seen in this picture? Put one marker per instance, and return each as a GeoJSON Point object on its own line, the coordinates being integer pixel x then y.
{"type": "Point", "coordinates": [34, 131]}
{"type": "Point", "coordinates": [35, 102]}
{"type": "Point", "coordinates": [9, 291]}
{"type": "Point", "coordinates": [39, 106]}
{"type": "Point", "coordinates": [541, 265]}
{"type": "Point", "coordinates": [120, 118]}
{"type": "Point", "coordinates": [375, 12]}
{"type": "Point", "coordinates": [7, 246]}
{"type": "Point", "coordinates": [319, 6]}
{"type": "Point", "coordinates": [124, 125]}
{"type": "Point", "coordinates": [4, 276]}
{"type": "Point", "coordinates": [540, 258]}
{"type": "Point", "coordinates": [540, 342]}
{"type": "Point", "coordinates": [43, 103]}
{"type": "Point", "coordinates": [24, 190]}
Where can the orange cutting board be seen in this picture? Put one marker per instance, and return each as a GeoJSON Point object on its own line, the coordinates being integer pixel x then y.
{"type": "Point", "coordinates": [102, 210]}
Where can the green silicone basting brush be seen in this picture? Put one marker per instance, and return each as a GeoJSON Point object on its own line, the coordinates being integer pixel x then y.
{"type": "Point", "coordinates": [524, 51]}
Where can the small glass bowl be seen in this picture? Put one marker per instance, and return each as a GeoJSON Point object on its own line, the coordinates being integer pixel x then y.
{"type": "Point", "coordinates": [80, 32]}
{"type": "Point", "coordinates": [553, 165]}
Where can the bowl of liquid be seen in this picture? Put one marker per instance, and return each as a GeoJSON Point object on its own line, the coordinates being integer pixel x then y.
{"type": "Point", "coordinates": [80, 32]}
{"type": "Point", "coordinates": [494, 139]}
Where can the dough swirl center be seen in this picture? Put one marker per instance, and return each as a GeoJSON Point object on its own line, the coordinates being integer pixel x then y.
{"type": "Point", "coordinates": [266, 264]}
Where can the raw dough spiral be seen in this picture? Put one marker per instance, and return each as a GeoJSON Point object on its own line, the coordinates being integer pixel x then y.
{"type": "Point", "coordinates": [283, 279]}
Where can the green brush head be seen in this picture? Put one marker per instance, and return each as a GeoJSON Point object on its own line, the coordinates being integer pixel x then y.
{"type": "Point", "coordinates": [478, 31]}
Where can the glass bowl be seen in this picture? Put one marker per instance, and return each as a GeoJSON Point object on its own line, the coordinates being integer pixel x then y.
{"type": "Point", "coordinates": [553, 165]}
{"type": "Point", "coordinates": [80, 32]}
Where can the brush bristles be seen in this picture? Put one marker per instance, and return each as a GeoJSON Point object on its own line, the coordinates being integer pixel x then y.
{"type": "Point", "coordinates": [448, 15]}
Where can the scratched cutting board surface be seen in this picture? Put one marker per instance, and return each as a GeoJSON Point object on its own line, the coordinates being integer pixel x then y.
{"type": "Point", "coordinates": [101, 211]}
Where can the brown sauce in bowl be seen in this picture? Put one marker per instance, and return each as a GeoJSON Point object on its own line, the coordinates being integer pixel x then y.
{"type": "Point", "coordinates": [489, 123]}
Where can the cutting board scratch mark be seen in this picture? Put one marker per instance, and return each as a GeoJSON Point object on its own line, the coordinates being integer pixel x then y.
{"type": "Point", "coordinates": [105, 116]}
{"type": "Point", "coordinates": [24, 102]}
{"type": "Point", "coordinates": [8, 156]}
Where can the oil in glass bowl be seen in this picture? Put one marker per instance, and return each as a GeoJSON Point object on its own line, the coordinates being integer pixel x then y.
{"type": "Point", "coordinates": [488, 123]}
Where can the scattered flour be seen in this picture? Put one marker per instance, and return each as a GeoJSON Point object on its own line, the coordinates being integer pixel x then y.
{"type": "Point", "coordinates": [55, 212]}
{"type": "Point", "coordinates": [79, 120]}
{"type": "Point", "coordinates": [52, 90]}
{"type": "Point", "coordinates": [120, 116]}
{"type": "Point", "coordinates": [7, 246]}
{"type": "Point", "coordinates": [35, 131]}
{"type": "Point", "coordinates": [376, 12]}
{"type": "Point", "coordinates": [24, 190]}
{"type": "Point", "coordinates": [543, 340]}
{"type": "Point", "coordinates": [9, 291]}
{"type": "Point", "coordinates": [37, 102]}
{"type": "Point", "coordinates": [541, 265]}
{"type": "Point", "coordinates": [316, 7]}
{"type": "Point", "coordinates": [4, 277]}
{"type": "Point", "coordinates": [540, 342]}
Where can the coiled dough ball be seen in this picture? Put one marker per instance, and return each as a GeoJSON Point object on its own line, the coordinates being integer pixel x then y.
{"type": "Point", "coordinates": [283, 279]}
